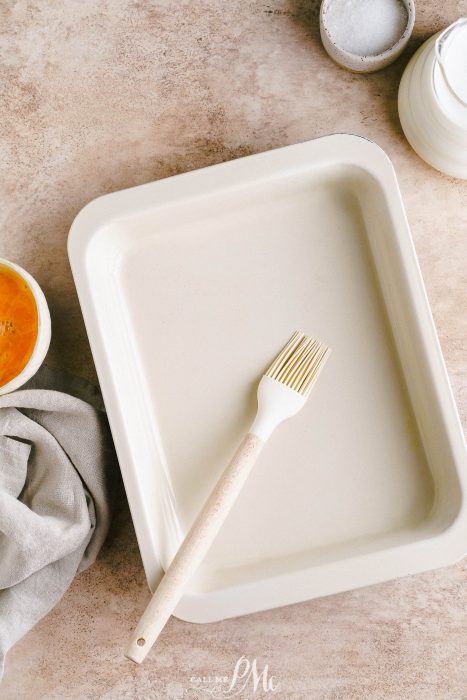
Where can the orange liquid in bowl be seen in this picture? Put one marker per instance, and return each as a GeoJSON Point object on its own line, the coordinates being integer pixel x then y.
{"type": "Point", "coordinates": [19, 324]}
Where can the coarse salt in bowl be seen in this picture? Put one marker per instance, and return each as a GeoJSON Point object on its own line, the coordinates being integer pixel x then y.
{"type": "Point", "coordinates": [366, 35]}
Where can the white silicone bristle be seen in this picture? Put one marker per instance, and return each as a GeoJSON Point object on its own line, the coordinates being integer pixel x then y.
{"type": "Point", "coordinates": [299, 363]}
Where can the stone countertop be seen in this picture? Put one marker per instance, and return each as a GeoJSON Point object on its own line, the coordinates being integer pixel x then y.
{"type": "Point", "coordinates": [98, 96]}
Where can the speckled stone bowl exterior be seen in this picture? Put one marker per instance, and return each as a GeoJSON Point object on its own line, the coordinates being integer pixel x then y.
{"type": "Point", "coordinates": [370, 63]}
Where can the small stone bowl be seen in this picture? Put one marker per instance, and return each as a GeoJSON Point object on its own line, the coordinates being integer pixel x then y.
{"type": "Point", "coordinates": [372, 62]}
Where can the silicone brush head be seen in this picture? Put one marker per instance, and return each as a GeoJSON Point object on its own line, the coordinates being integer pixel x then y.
{"type": "Point", "coordinates": [284, 388]}
{"type": "Point", "coordinates": [299, 363]}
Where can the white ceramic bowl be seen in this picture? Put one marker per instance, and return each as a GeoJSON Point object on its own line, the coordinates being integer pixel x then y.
{"type": "Point", "coordinates": [433, 116]}
{"type": "Point", "coordinates": [371, 62]}
{"type": "Point", "coordinates": [43, 332]}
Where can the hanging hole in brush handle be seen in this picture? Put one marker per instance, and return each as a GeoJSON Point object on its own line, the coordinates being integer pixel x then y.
{"type": "Point", "coordinates": [439, 44]}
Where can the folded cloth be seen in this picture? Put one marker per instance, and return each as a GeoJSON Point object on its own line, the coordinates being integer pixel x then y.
{"type": "Point", "coordinates": [56, 460]}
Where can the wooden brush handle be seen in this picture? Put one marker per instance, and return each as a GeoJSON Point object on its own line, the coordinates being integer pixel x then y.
{"type": "Point", "coordinates": [194, 548]}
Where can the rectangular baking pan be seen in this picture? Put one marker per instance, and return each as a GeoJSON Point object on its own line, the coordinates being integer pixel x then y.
{"type": "Point", "coordinates": [188, 287]}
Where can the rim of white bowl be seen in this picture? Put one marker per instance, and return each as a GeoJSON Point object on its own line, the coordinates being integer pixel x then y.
{"type": "Point", "coordinates": [43, 330]}
{"type": "Point", "coordinates": [372, 57]}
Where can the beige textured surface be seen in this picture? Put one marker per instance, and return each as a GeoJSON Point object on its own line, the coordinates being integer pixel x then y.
{"type": "Point", "coordinates": [97, 96]}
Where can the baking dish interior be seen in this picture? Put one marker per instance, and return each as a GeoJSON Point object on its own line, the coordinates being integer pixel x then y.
{"type": "Point", "coordinates": [199, 294]}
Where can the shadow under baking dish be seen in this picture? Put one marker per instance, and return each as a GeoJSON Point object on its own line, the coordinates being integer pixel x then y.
{"type": "Point", "coordinates": [194, 297]}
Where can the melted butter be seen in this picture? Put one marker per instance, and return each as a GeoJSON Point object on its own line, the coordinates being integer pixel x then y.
{"type": "Point", "coordinates": [18, 324]}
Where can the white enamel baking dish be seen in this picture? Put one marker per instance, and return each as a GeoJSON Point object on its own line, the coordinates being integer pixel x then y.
{"type": "Point", "coordinates": [188, 288]}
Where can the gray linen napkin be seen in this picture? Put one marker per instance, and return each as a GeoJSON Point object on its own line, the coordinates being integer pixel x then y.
{"type": "Point", "coordinates": [56, 457]}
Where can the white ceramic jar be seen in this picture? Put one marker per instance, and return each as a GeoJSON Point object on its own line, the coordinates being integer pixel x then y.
{"type": "Point", "coordinates": [433, 100]}
{"type": "Point", "coordinates": [43, 330]}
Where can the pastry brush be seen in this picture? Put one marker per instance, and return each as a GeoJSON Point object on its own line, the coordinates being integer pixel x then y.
{"type": "Point", "coordinates": [282, 392]}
